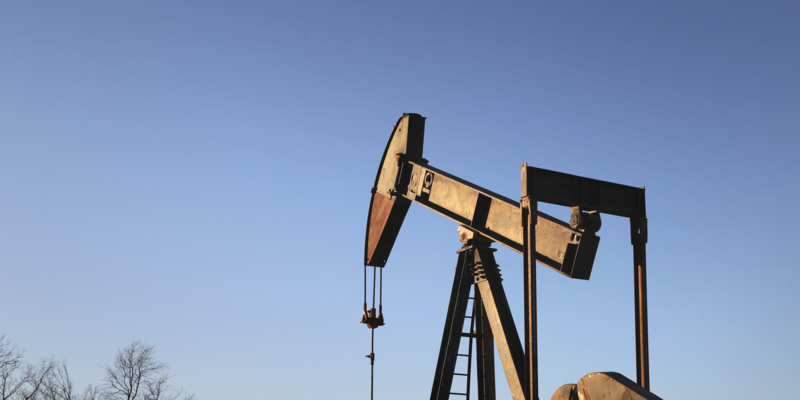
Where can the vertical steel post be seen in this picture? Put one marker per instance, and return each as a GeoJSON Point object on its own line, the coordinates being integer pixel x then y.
{"type": "Point", "coordinates": [639, 240]}
{"type": "Point", "coordinates": [529, 208]}
{"type": "Point", "coordinates": [485, 350]}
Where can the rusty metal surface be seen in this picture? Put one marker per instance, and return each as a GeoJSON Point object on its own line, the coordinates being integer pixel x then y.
{"type": "Point", "coordinates": [385, 220]}
{"type": "Point", "coordinates": [387, 211]}
{"type": "Point", "coordinates": [611, 386]}
{"type": "Point", "coordinates": [566, 392]}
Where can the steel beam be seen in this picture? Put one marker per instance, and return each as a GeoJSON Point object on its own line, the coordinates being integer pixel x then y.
{"type": "Point", "coordinates": [591, 194]}
{"type": "Point", "coordinates": [496, 217]}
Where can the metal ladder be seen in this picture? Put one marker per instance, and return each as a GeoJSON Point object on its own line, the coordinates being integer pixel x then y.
{"type": "Point", "coordinates": [479, 335]}
{"type": "Point", "coordinates": [471, 334]}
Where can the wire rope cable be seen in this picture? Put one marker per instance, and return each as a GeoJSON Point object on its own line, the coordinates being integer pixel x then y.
{"type": "Point", "coordinates": [374, 274]}
{"type": "Point", "coordinates": [373, 318]}
{"type": "Point", "coordinates": [365, 287]}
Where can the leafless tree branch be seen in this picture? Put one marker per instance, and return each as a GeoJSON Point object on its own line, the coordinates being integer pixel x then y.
{"type": "Point", "coordinates": [10, 364]}
{"type": "Point", "coordinates": [36, 377]}
{"type": "Point", "coordinates": [59, 386]}
{"type": "Point", "coordinates": [91, 393]}
{"type": "Point", "coordinates": [136, 374]}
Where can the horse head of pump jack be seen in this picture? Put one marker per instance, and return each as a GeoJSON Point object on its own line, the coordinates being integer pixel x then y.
{"type": "Point", "coordinates": [387, 210]}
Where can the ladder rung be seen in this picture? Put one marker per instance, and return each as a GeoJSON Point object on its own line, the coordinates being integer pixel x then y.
{"type": "Point", "coordinates": [464, 355]}
{"type": "Point", "coordinates": [464, 334]}
{"type": "Point", "coordinates": [460, 394]}
{"type": "Point", "coordinates": [456, 373]}
{"type": "Point", "coordinates": [468, 316]}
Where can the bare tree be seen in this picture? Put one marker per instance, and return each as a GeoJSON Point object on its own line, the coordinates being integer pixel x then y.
{"type": "Point", "coordinates": [36, 377]}
{"type": "Point", "coordinates": [60, 386]}
{"type": "Point", "coordinates": [11, 379]}
{"type": "Point", "coordinates": [137, 375]}
{"type": "Point", "coordinates": [92, 393]}
{"type": "Point", "coordinates": [134, 375]}
{"type": "Point", "coordinates": [160, 389]}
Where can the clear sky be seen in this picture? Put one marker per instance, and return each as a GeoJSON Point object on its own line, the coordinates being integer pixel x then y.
{"type": "Point", "coordinates": [196, 175]}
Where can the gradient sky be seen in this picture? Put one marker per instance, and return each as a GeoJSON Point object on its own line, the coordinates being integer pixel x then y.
{"type": "Point", "coordinates": [196, 175]}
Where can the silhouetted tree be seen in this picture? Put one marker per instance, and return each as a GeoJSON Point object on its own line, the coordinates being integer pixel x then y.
{"type": "Point", "coordinates": [91, 393]}
{"type": "Point", "coordinates": [134, 375]}
{"type": "Point", "coordinates": [60, 386]}
{"type": "Point", "coordinates": [11, 380]}
{"type": "Point", "coordinates": [35, 378]}
{"type": "Point", "coordinates": [137, 375]}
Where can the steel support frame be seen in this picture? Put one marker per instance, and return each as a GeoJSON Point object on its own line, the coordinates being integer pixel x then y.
{"type": "Point", "coordinates": [454, 324]}
{"type": "Point", "coordinates": [494, 326]}
{"type": "Point", "coordinates": [476, 262]}
{"type": "Point", "coordinates": [589, 194]}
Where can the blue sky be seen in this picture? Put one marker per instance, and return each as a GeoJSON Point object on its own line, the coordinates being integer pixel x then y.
{"type": "Point", "coordinates": [196, 175]}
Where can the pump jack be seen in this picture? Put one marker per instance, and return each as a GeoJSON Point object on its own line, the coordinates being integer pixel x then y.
{"type": "Point", "coordinates": [486, 217]}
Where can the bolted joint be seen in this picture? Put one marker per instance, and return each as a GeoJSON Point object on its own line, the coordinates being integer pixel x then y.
{"type": "Point", "coordinates": [530, 210]}
{"type": "Point", "coordinates": [585, 220]}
